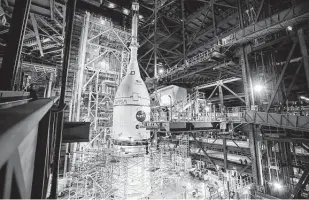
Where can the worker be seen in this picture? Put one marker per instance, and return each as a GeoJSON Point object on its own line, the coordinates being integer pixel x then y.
{"type": "Point", "coordinates": [302, 109]}
{"type": "Point", "coordinates": [147, 149]}
{"type": "Point", "coordinates": [167, 114]}
{"type": "Point", "coordinates": [33, 94]}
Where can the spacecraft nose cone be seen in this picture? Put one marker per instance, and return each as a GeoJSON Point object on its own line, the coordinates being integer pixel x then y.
{"type": "Point", "coordinates": [132, 101]}
{"type": "Point", "coordinates": [132, 86]}
{"type": "Point", "coordinates": [131, 109]}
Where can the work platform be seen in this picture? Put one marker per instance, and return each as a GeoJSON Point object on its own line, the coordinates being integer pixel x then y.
{"type": "Point", "coordinates": [293, 122]}
{"type": "Point", "coordinates": [205, 121]}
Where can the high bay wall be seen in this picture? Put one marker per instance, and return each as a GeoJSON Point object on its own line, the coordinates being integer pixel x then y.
{"type": "Point", "coordinates": [262, 46]}
{"type": "Point", "coordinates": [260, 58]}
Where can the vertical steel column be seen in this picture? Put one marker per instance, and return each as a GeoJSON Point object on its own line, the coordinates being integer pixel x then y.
{"type": "Point", "coordinates": [183, 31]}
{"type": "Point", "coordinates": [225, 154]}
{"type": "Point", "coordinates": [281, 76]}
{"type": "Point", "coordinates": [243, 63]}
{"type": "Point", "coordinates": [41, 164]}
{"type": "Point", "coordinates": [13, 50]}
{"type": "Point", "coordinates": [70, 13]}
{"type": "Point", "coordinates": [255, 155]}
{"type": "Point", "coordinates": [254, 146]}
{"type": "Point", "coordinates": [221, 97]}
{"type": "Point", "coordinates": [214, 23]}
{"type": "Point", "coordinates": [96, 102]}
{"type": "Point", "coordinates": [226, 164]}
{"type": "Point", "coordinates": [304, 52]}
{"type": "Point", "coordinates": [50, 82]}
{"type": "Point", "coordinates": [155, 38]}
{"type": "Point", "coordinates": [81, 63]}
{"type": "Point", "coordinates": [244, 78]}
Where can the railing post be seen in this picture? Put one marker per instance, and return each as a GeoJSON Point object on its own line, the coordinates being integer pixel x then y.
{"type": "Point", "coordinates": [41, 162]}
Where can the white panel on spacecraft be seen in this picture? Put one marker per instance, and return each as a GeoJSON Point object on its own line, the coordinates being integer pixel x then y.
{"type": "Point", "coordinates": [132, 101]}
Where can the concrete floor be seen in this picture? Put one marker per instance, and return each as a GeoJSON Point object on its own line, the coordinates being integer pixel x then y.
{"type": "Point", "coordinates": [183, 188]}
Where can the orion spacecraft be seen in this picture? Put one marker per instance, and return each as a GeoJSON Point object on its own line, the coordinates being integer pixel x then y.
{"type": "Point", "coordinates": [132, 101]}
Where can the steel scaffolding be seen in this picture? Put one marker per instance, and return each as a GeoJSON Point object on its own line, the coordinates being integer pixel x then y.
{"type": "Point", "coordinates": [96, 170]}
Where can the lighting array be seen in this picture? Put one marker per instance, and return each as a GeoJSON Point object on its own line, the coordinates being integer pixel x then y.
{"type": "Point", "coordinates": [277, 185]}
{"type": "Point", "coordinates": [304, 98]}
{"type": "Point", "coordinates": [111, 5]}
{"type": "Point", "coordinates": [124, 10]}
{"type": "Point", "coordinates": [258, 87]}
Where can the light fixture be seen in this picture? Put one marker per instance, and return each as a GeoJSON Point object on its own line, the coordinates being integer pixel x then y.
{"type": "Point", "coordinates": [277, 185]}
{"type": "Point", "coordinates": [125, 11]}
{"type": "Point", "coordinates": [161, 71]}
{"type": "Point", "coordinates": [304, 98]}
{"type": "Point", "coordinates": [258, 88]}
{"type": "Point", "coordinates": [102, 21]}
{"type": "Point", "coordinates": [140, 16]}
{"type": "Point", "coordinates": [111, 5]}
{"type": "Point", "coordinates": [207, 108]}
{"type": "Point", "coordinates": [289, 28]}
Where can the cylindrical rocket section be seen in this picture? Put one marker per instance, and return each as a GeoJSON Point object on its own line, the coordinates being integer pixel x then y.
{"type": "Point", "coordinates": [132, 101]}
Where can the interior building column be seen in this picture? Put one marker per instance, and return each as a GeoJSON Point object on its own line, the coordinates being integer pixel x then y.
{"type": "Point", "coordinates": [12, 53]}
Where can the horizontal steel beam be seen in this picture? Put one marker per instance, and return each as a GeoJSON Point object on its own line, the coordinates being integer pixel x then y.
{"type": "Point", "coordinates": [220, 162]}
{"type": "Point", "coordinates": [208, 85]}
{"type": "Point", "coordinates": [293, 122]}
{"type": "Point", "coordinates": [273, 24]}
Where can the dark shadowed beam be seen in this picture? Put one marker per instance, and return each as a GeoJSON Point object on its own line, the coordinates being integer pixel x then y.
{"type": "Point", "coordinates": [14, 47]}
{"type": "Point", "coordinates": [293, 80]}
{"type": "Point", "coordinates": [259, 11]}
{"type": "Point", "coordinates": [196, 14]}
{"type": "Point", "coordinates": [115, 15]}
{"type": "Point", "coordinates": [202, 147]}
{"type": "Point", "coordinates": [166, 36]}
{"type": "Point", "coordinates": [304, 52]}
{"type": "Point", "coordinates": [206, 31]}
{"type": "Point", "coordinates": [281, 76]}
{"type": "Point", "coordinates": [197, 32]}
{"type": "Point", "coordinates": [36, 31]}
{"type": "Point", "coordinates": [214, 23]}
{"type": "Point", "coordinates": [169, 3]}
{"type": "Point", "coordinates": [183, 30]}
{"type": "Point", "coordinates": [233, 93]}
{"type": "Point", "coordinates": [194, 72]}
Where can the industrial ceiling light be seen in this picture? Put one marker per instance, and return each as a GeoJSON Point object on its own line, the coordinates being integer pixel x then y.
{"type": "Point", "coordinates": [258, 88]}
{"type": "Point", "coordinates": [111, 5]}
{"type": "Point", "coordinates": [304, 98]}
{"type": "Point", "coordinates": [161, 71]}
{"type": "Point", "coordinates": [125, 11]}
{"type": "Point", "coordinates": [140, 16]}
{"type": "Point", "coordinates": [289, 28]}
{"type": "Point", "coordinates": [277, 185]}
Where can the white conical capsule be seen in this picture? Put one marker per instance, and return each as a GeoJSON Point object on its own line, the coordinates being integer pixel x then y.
{"type": "Point", "coordinates": [132, 101]}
